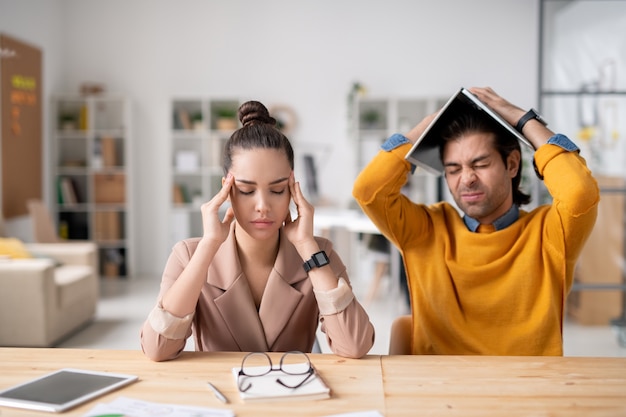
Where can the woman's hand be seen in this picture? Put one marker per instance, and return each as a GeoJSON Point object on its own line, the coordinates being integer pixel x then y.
{"type": "Point", "coordinates": [214, 229]}
{"type": "Point", "coordinates": [300, 231]}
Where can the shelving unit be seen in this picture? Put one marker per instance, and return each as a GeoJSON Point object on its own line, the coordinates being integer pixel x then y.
{"type": "Point", "coordinates": [375, 119]}
{"type": "Point", "coordinates": [586, 102]}
{"type": "Point", "coordinates": [200, 128]}
{"type": "Point", "coordinates": [92, 179]}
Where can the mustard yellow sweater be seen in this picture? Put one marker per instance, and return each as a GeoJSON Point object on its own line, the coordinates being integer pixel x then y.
{"type": "Point", "coordinates": [493, 292]}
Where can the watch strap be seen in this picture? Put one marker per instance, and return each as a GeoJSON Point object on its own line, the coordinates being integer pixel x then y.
{"type": "Point", "coordinates": [530, 114]}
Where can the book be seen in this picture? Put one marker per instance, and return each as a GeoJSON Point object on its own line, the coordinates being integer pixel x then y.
{"type": "Point", "coordinates": [60, 191]}
{"type": "Point", "coordinates": [265, 388]}
{"type": "Point", "coordinates": [68, 192]}
{"type": "Point", "coordinates": [180, 194]}
{"type": "Point", "coordinates": [183, 119]}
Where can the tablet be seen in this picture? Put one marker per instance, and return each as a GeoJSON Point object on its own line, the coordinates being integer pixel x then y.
{"type": "Point", "coordinates": [63, 389]}
{"type": "Point", "coordinates": [425, 151]}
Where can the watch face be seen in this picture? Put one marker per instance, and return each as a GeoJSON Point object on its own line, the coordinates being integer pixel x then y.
{"type": "Point", "coordinates": [320, 258]}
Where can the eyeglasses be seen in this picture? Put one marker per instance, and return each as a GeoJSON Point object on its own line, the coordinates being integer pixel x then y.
{"type": "Point", "coordinates": [293, 363]}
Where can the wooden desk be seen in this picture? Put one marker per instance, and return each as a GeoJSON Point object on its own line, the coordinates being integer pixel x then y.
{"type": "Point", "coordinates": [355, 384]}
{"type": "Point", "coordinates": [504, 386]}
{"type": "Point", "coordinates": [394, 385]}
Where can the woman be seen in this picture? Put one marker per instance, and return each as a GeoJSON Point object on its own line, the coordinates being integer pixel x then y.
{"type": "Point", "coordinates": [257, 280]}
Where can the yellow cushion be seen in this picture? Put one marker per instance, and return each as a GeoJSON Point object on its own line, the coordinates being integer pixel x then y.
{"type": "Point", "coordinates": [13, 248]}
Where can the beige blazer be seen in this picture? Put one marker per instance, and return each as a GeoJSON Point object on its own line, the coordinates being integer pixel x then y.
{"type": "Point", "coordinates": [226, 318]}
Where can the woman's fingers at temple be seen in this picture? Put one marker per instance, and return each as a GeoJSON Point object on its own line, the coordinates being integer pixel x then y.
{"type": "Point", "coordinates": [215, 228]}
{"type": "Point", "coordinates": [226, 187]}
{"type": "Point", "coordinates": [229, 216]}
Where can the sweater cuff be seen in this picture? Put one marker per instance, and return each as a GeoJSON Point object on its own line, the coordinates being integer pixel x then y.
{"type": "Point", "coordinates": [336, 300]}
{"type": "Point", "coordinates": [168, 325]}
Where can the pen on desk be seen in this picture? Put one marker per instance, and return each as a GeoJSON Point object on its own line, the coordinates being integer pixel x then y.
{"type": "Point", "coordinates": [218, 393]}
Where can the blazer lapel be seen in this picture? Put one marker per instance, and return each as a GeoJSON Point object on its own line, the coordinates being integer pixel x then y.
{"type": "Point", "coordinates": [239, 313]}
{"type": "Point", "coordinates": [236, 304]}
{"type": "Point", "coordinates": [281, 298]}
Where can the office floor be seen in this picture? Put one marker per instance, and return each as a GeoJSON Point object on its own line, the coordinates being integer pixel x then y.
{"type": "Point", "coordinates": [125, 304]}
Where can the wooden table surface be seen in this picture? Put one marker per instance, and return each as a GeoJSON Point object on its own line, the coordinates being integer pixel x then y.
{"type": "Point", "coordinates": [356, 384]}
{"type": "Point", "coordinates": [392, 385]}
{"type": "Point", "coordinates": [504, 386]}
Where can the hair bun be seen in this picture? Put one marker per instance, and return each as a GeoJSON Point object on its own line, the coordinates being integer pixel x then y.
{"type": "Point", "coordinates": [252, 112]}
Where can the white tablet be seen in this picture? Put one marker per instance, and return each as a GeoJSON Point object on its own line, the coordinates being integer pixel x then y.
{"type": "Point", "coordinates": [63, 389]}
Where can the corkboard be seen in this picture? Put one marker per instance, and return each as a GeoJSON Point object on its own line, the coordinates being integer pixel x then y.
{"type": "Point", "coordinates": [21, 150]}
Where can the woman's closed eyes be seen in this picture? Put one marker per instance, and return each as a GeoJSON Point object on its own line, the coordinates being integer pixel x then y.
{"type": "Point", "coordinates": [278, 187]}
{"type": "Point", "coordinates": [250, 192]}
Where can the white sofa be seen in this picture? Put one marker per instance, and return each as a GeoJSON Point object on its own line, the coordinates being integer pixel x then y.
{"type": "Point", "coordinates": [43, 300]}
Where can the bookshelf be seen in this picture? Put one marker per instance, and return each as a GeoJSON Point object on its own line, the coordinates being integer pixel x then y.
{"type": "Point", "coordinates": [374, 119]}
{"type": "Point", "coordinates": [92, 199]}
{"type": "Point", "coordinates": [199, 130]}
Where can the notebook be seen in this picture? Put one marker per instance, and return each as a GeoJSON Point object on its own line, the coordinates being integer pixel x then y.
{"type": "Point", "coordinates": [63, 389]}
{"type": "Point", "coordinates": [425, 151]}
{"type": "Point", "coordinates": [265, 388]}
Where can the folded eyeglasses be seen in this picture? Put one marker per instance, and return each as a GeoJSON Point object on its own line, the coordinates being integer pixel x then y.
{"type": "Point", "coordinates": [292, 363]}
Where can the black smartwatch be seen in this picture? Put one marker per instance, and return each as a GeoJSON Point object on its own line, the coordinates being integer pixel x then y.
{"type": "Point", "coordinates": [530, 114]}
{"type": "Point", "coordinates": [318, 259]}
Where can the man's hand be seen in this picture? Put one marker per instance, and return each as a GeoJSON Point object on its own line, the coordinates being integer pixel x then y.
{"type": "Point", "coordinates": [509, 112]}
{"type": "Point", "coordinates": [535, 132]}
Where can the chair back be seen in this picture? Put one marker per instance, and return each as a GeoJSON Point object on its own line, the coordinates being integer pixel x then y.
{"type": "Point", "coordinates": [401, 336]}
{"type": "Point", "coordinates": [44, 228]}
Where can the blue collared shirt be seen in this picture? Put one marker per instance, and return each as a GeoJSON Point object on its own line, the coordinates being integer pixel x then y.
{"type": "Point", "coordinates": [512, 214]}
{"type": "Point", "coordinates": [500, 223]}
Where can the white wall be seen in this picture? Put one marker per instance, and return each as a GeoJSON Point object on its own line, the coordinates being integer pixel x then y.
{"type": "Point", "coordinates": [305, 54]}
{"type": "Point", "coordinates": [588, 50]}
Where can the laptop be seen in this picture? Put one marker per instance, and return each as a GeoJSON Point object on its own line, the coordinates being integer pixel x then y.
{"type": "Point", "coordinates": [425, 151]}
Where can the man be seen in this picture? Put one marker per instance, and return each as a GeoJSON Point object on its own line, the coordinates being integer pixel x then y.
{"type": "Point", "coordinates": [493, 281]}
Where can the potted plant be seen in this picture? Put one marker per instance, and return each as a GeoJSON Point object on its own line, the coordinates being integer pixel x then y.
{"type": "Point", "coordinates": [226, 118]}
{"type": "Point", "coordinates": [197, 121]}
{"type": "Point", "coordinates": [370, 118]}
{"type": "Point", "coordinates": [67, 121]}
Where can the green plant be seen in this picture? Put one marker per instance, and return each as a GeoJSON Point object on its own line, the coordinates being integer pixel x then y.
{"type": "Point", "coordinates": [226, 112]}
{"type": "Point", "coordinates": [68, 117]}
{"type": "Point", "coordinates": [196, 117]}
{"type": "Point", "coordinates": [370, 117]}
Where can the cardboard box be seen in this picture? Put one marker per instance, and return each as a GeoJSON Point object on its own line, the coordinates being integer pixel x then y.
{"type": "Point", "coordinates": [111, 270]}
{"type": "Point", "coordinates": [594, 307]}
{"type": "Point", "coordinates": [107, 225]}
{"type": "Point", "coordinates": [109, 152]}
{"type": "Point", "coordinates": [109, 188]}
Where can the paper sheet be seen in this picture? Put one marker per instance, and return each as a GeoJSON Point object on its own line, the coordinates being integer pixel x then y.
{"type": "Point", "coordinates": [131, 407]}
